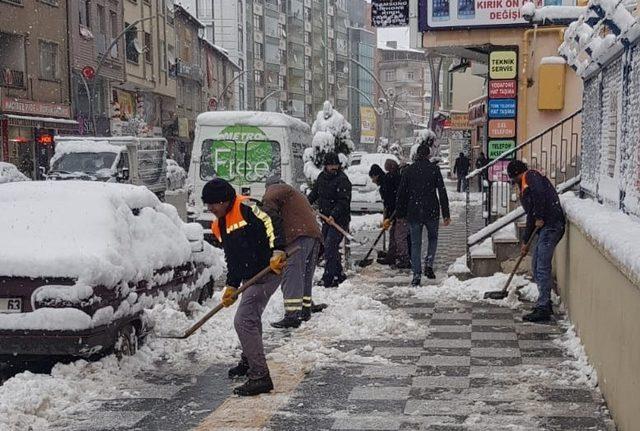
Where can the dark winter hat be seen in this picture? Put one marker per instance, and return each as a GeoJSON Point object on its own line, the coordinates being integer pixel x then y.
{"type": "Point", "coordinates": [376, 171]}
{"type": "Point", "coordinates": [331, 159]}
{"type": "Point", "coordinates": [423, 152]}
{"type": "Point", "coordinates": [515, 168]}
{"type": "Point", "coordinates": [273, 180]}
{"type": "Point", "coordinates": [217, 191]}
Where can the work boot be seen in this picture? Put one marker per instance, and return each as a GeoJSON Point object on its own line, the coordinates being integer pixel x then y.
{"type": "Point", "coordinates": [253, 387]}
{"type": "Point", "coordinates": [305, 314]}
{"type": "Point", "coordinates": [291, 320]}
{"type": "Point", "coordinates": [428, 272]}
{"type": "Point", "coordinates": [538, 315]}
{"type": "Point", "coordinates": [387, 260]}
{"type": "Point", "coordinates": [239, 370]}
{"type": "Point", "coordinates": [403, 264]}
{"type": "Point", "coordinates": [317, 308]}
{"type": "Point", "coordinates": [416, 280]}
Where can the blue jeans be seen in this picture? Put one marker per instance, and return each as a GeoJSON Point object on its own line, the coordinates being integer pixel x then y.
{"type": "Point", "coordinates": [333, 259]}
{"type": "Point", "coordinates": [548, 239]}
{"type": "Point", "coordinates": [416, 244]}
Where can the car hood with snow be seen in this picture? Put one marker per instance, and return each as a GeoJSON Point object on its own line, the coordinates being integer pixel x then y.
{"type": "Point", "coordinates": [10, 174]}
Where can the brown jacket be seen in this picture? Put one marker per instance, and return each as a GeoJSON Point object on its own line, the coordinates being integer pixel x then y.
{"type": "Point", "coordinates": [298, 218]}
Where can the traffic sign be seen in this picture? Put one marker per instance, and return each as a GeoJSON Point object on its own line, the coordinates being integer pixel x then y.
{"type": "Point", "coordinates": [88, 72]}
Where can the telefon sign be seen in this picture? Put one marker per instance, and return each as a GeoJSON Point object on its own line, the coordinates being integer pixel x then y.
{"type": "Point", "coordinates": [451, 14]}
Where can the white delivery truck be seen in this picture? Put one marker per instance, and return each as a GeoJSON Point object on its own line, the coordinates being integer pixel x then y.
{"type": "Point", "coordinates": [245, 148]}
{"type": "Point", "coordinates": [125, 159]}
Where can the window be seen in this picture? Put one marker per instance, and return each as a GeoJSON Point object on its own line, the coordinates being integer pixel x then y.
{"type": "Point", "coordinates": [258, 49]}
{"type": "Point", "coordinates": [163, 56]}
{"type": "Point", "coordinates": [102, 24]}
{"type": "Point", "coordinates": [390, 75]}
{"type": "Point", "coordinates": [132, 45]}
{"type": "Point", "coordinates": [114, 32]}
{"type": "Point", "coordinates": [240, 40]}
{"type": "Point", "coordinates": [257, 22]}
{"type": "Point", "coordinates": [85, 13]}
{"type": "Point", "coordinates": [410, 76]}
{"type": "Point", "coordinates": [258, 77]}
{"type": "Point", "coordinates": [148, 49]}
{"type": "Point", "coordinates": [612, 145]}
{"type": "Point", "coordinates": [227, 160]}
{"type": "Point", "coordinates": [48, 60]}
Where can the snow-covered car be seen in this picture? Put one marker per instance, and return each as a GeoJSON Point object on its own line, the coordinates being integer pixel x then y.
{"type": "Point", "coordinates": [80, 262]}
{"type": "Point", "coordinates": [10, 174]}
{"type": "Point", "coordinates": [176, 176]}
{"type": "Point", "coordinates": [365, 197]}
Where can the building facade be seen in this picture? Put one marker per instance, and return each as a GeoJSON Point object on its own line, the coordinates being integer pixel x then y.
{"type": "Point", "coordinates": [35, 100]}
{"type": "Point", "coordinates": [219, 74]}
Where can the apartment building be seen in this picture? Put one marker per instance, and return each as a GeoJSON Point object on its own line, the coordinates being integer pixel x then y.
{"type": "Point", "coordinates": [34, 82]}
{"type": "Point", "coordinates": [220, 75]}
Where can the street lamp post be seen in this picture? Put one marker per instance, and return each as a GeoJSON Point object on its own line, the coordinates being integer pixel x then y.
{"type": "Point", "coordinates": [101, 61]}
{"type": "Point", "coordinates": [264, 99]}
{"type": "Point", "coordinates": [224, 90]}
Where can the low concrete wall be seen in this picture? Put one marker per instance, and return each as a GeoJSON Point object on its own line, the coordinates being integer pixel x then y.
{"type": "Point", "coordinates": [604, 305]}
{"type": "Point", "coordinates": [177, 198]}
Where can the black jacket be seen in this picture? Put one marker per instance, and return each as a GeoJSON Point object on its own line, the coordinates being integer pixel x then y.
{"type": "Point", "coordinates": [540, 201]}
{"type": "Point", "coordinates": [389, 184]}
{"type": "Point", "coordinates": [249, 241]}
{"type": "Point", "coordinates": [461, 166]}
{"type": "Point", "coordinates": [417, 199]}
{"type": "Point", "coordinates": [333, 195]}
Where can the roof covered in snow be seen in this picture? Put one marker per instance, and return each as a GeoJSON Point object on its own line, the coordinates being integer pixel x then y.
{"type": "Point", "coordinates": [250, 118]}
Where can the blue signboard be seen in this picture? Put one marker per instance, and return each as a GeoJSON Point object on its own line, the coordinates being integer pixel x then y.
{"type": "Point", "coordinates": [502, 108]}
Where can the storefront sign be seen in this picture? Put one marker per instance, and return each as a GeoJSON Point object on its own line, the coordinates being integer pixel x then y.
{"type": "Point", "coordinates": [503, 89]}
{"type": "Point", "coordinates": [390, 13]}
{"type": "Point", "coordinates": [503, 64]}
{"type": "Point", "coordinates": [502, 128]}
{"type": "Point", "coordinates": [127, 104]}
{"type": "Point", "coordinates": [498, 172]}
{"type": "Point", "coordinates": [496, 148]}
{"type": "Point", "coordinates": [502, 108]}
{"type": "Point", "coordinates": [367, 125]}
{"type": "Point", "coordinates": [458, 120]}
{"type": "Point", "coordinates": [30, 107]}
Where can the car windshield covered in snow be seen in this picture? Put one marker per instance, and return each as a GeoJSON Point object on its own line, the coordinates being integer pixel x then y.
{"type": "Point", "coordinates": [90, 163]}
{"type": "Point", "coordinates": [252, 161]}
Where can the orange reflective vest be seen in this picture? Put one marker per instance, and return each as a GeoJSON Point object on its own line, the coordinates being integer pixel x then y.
{"type": "Point", "coordinates": [233, 220]}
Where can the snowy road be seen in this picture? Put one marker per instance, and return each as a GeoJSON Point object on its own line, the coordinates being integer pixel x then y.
{"type": "Point", "coordinates": [383, 356]}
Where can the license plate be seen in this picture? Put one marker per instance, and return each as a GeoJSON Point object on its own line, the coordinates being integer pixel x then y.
{"type": "Point", "coordinates": [10, 305]}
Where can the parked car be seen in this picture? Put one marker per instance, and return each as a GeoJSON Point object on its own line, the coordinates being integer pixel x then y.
{"type": "Point", "coordinates": [176, 176]}
{"type": "Point", "coordinates": [123, 159]}
{"type": "Point", "coordinates": [365, 197]}
{"type": "Point", "coordinates": [80, 263]}
{"type": "Point", "coordinates": [10, 174]}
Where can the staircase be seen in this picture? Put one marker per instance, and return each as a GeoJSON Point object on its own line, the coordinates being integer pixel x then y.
{"type": "Point", "coordinates": [555, 152]}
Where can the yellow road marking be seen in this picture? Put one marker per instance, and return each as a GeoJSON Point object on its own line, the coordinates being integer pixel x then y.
{"type": "Point", "coordinates": [253, 413]}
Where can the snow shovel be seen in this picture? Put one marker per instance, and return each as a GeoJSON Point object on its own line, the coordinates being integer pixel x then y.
{"type": "Point", "coordinates": [366, 261]}
{"type": "Point", "coordinates": [346, 234]}
{"type": "Point", "coordinates": [501, 294]}
{"type": "Point", "coordinates": [255, 279]}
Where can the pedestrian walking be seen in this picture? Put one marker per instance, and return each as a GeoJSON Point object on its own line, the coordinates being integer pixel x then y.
{"type": "Point", "coordinates": [421, 197]}
{"type": "Point", "coordinates": [389, 182]}
{"type": "Point", "coordinates": [252, 240]}
{"type": "Point", "coordinates": [544, 212]}
{"type": "Point", "coordinates": [481, 162]}
{"type": "Point", "coordinates": [332, 193]}
{"type": "Point", "coordinates": [300, 228]}
{"type": "Point", "coordinates": [461, 170]}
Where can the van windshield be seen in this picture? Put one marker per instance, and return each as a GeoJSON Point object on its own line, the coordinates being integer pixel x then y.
{"type": "Point", "coordinates": [89, 163]}
{"type": "Point", "coordinates": [240, 162]}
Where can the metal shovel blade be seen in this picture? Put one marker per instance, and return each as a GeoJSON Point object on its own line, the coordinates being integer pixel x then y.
{"type": "Point", "coordinates": [498, 294]}
{"type": "Point", "coordinates": [365, 262]}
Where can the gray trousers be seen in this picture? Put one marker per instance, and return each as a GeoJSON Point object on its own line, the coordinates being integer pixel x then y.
{"type": "Point", "coordinates": [297, 280]}
{"type": "Point", "coordinates": [398, 247]}
{"type": "Point", "coordinates": [248, 324]}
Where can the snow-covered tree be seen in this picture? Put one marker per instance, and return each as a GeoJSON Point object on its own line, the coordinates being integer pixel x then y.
{"type": "Point", "coordinates": [424, 137]}
{"type": "Point", "coordinates": [394, 148]}
{"type": "Point", "coordinates": [331, 133]}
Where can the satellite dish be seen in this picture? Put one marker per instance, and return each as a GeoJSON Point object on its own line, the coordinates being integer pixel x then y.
{"type": "Point", "coordinates": [137, 46]}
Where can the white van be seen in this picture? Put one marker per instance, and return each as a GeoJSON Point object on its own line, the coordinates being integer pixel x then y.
{"type": "Point", "coordinates": [245, 148]}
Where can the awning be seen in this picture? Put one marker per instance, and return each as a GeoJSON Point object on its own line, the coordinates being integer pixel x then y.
{"type": "Point", "coordinates": [42, 122]}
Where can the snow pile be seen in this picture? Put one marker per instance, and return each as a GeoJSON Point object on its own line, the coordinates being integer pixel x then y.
{"type": "Point", "coordinates": [83, 146]}
{"type": "Point", "coordinates": [617, 233]}
{"type": "Point", "coordinates": [332, 133]}
{"type": "Point", "coordinates": [176, 176]}
{"type": "Point", "coordinates": [365, 222]}
{"type": "Point", "coordinates": [10, 174]}
{"type": "Point", "coordinates": [89, 232]}
{"type": "Point", "coordinates": [459, 266]}
{"type": "Point", "coordinates": [484, 249]}
{"type": "Point", "coordinates": [571, 343]}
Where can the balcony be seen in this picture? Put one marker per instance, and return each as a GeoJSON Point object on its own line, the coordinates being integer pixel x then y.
{"type": "Point", "coordinates": [11, 78]}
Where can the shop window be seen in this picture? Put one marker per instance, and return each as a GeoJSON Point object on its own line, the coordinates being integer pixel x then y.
{"type": "Point", "coordinates": [48, 60]}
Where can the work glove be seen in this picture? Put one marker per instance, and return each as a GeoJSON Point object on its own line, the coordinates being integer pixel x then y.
{"type": "Point", "coordinates": [386, 224]}
{"type": "Point", "coordinates": [278, 260]}
{"type": "Point", "coordinates": [229, 296]}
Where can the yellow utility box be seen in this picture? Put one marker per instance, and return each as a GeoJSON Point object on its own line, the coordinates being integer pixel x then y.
{"type": "Point", "coordinates": [551, 77]}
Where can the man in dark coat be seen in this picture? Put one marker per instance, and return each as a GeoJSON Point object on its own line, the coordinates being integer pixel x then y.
{"type": "Point", "coordinates": [301, 229]}
{"type": "Point", "coordinates": [332, 193]}
{"type": "Point", "coordinates": [544, 212]}
{"type": "Point", "coordinates": [481, 162]}
{"type": "Point", "coordinates": [421, 197]}
{"type": "Point", "coordinates": [461, 170]}
{"type": "Point", "coordinates": [252, 240]}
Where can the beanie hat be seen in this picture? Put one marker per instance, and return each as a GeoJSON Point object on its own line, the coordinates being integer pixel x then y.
{"type": "Point", "coordinates": [331, 159]}
{"type": "Point", "coordinates": [376, 171]}
{"type": "Point", "coordinates": [515, 168]}
{"type": "Point", "coordinates": [217, 191]}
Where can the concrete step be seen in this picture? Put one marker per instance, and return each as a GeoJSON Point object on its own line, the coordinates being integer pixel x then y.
{"type": "Point", "coordinates": [484, 266]}
{"type": "Point", "coordinates": [506, 249]}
